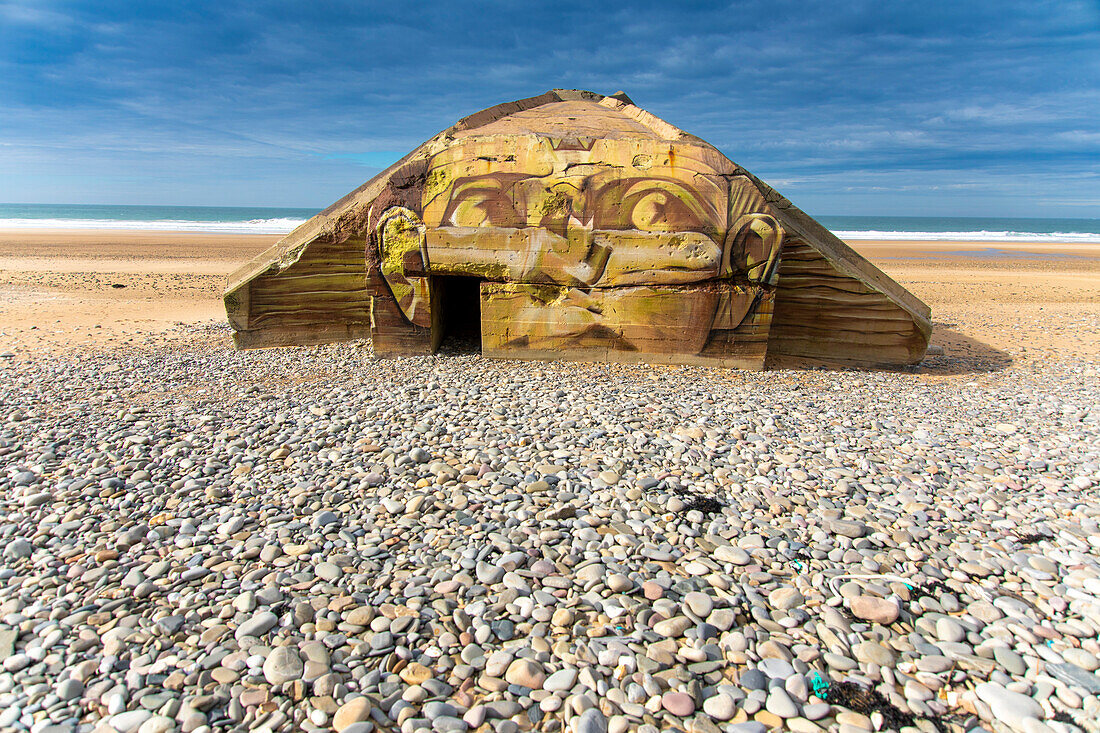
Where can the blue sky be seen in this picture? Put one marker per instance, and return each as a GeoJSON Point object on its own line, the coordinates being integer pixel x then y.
{"type": "Point", "coordinates": [880, 107]}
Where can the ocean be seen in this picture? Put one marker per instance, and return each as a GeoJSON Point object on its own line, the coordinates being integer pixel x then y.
{"type": "Point", "coordinates": [215, 219]}
{"type": "Point", "coordinates": [264, 220]}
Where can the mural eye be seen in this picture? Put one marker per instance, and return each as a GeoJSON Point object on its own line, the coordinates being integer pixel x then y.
{"type": "Point", "coordinates": [651, 205]}
{"type": "Point", "coordinates": [471, 212]}
{"type": "Point", "coordinates": [649, 211]}
{"type": "Point", "coordinates": [482, 206]}
{"type": "Point", "coordinates": [660, 211]}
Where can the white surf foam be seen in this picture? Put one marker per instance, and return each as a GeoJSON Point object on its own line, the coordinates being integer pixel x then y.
{"type": "Point", "coordinates": [254, 226]}
{"type": "Point", "coordinates": [979, 236]}
{"type": "Point", "coordinates": [285, 225]}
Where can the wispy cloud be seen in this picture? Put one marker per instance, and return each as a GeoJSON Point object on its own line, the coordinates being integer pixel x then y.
{"type": "Point", "coordinates": [33, 13]}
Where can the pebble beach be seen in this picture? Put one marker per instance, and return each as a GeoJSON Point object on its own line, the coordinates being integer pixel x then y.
{"type": "Point", "coordinates": [198, 539]}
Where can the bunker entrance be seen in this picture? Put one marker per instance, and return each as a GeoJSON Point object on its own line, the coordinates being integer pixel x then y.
{"type": "Point", "coordinates": [459, 314]}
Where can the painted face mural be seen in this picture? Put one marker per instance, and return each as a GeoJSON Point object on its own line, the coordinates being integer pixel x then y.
{"type": "Point", "coordinates": [575, 226]}
{"type": "Point", "coordinates": [586, 244]}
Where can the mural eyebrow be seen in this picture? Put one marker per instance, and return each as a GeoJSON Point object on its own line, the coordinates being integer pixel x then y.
{"type": "Point", "coordinates": [567, 184]}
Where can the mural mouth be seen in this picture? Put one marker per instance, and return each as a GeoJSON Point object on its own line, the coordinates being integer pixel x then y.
{"type": "Point", "coordinates": [595, 336]}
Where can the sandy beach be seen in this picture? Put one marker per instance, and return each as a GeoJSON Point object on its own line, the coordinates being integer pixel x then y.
{"type": "Point", "coordinates": [64, 289]}
{"type": "Point", "coordinates": [990, 301]}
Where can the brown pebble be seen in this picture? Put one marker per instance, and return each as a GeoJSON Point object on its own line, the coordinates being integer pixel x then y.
{"type": "Point", "coordinates": [415, 674]}
{"type": "Point", "coordinates": [678, 703]}
{"type": "Point", "coordinates": [769, 719]}
{"type": "Point", "coordinates": [876, 610]}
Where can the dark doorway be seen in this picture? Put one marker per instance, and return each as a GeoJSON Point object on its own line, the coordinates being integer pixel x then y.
{"type": "Point", "coordinates": [459, 313]}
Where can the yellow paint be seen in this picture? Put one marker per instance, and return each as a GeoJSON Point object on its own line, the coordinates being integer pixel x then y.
{"type": "Point", "coordinates": [624, 244]}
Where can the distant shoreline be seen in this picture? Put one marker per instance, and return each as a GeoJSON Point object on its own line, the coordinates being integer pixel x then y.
{"type": "Point", "coordinates": [269, 220]}
{"type": "Point", "coordinates": [982, 236]}
{"type": "Point", "coordinates": [254, 226]}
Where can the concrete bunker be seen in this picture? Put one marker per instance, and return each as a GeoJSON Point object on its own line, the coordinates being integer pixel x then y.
{"type": "Point", "coordinates": [576, 226]}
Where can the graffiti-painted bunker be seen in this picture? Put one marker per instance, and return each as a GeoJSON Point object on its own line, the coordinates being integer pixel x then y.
{"type": "Point", "coordinates": [576, 226]}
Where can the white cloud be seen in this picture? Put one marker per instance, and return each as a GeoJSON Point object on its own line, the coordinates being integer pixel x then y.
{"type": "Point", "coordinates": [33, 13]}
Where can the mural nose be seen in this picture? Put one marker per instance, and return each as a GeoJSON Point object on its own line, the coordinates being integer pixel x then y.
{"type": "Point", "coordinates": [577, 223]}
{"type": "Point", "coordinates": [564, 214]}
{"type": "Point", "coordinates": [573, 259]}
{"type": "Point", "coordinates": [577, 233]}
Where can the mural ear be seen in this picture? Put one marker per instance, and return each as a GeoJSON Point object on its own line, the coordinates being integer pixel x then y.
{"type": "Point", "coordinates": [401, 241]}
{"type": "Point", "coordinates": [752, 248]}
{"type": "Point", "coordinates": [404, 261]}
